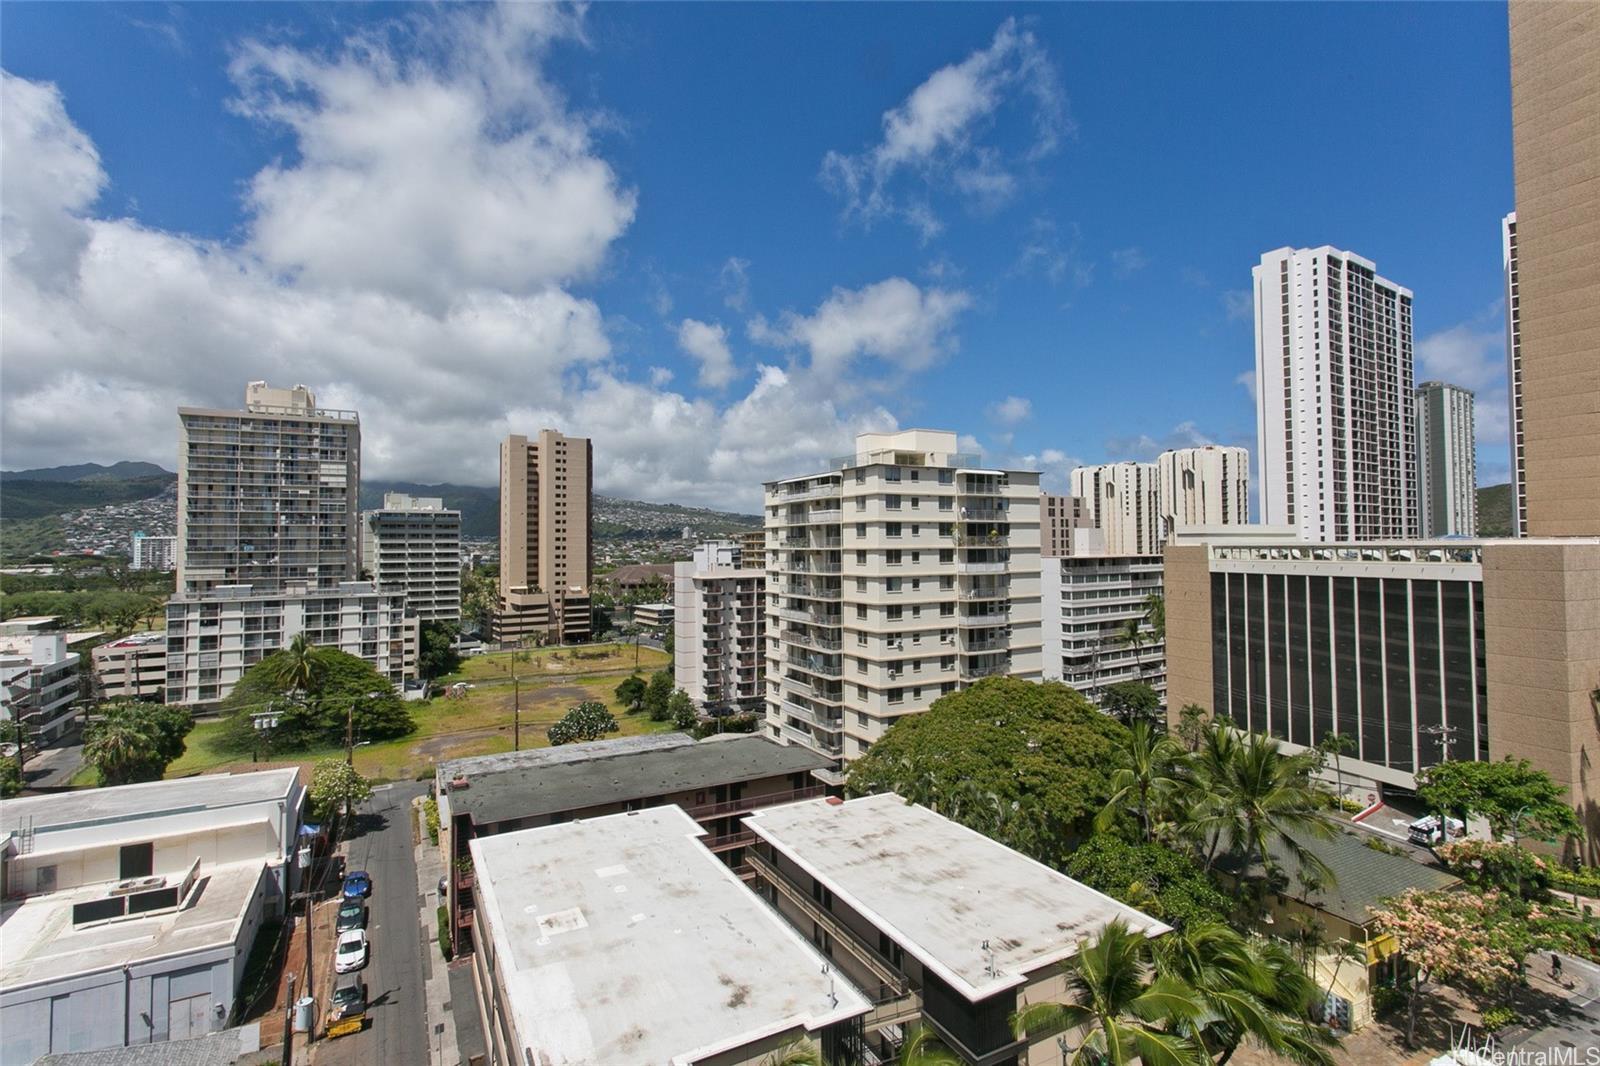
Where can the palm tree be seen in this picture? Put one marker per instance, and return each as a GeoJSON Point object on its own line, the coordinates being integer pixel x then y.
{"type": "Point", "coordinates": [922, 1048]}
{"type": "Point", "coordinates": [1148, 771]}
{"type": "Point", "coordinates": [801, 1052]}
{"type": "Point", "coordinates": [1132, 634]}
{"type": "Point", "coordinates": [1247, 992]}
{"type": "Point", "coordinates": [1155, 615]}
{"type": "Point", "coordinates": [1128, 1017]}
{"type": "Point", "coordinates": [298, 668]}
{"type": "Point", "coordinates": [1337, 744]}
{"type": "Point", "coordinates": [1266, 797]}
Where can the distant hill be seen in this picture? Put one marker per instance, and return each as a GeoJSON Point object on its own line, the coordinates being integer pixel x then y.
{"type": "Point", "coordinates": [22, 498]}
{"type": "Point", "coordinates": [1494, 511]}
{"type": "Point", "coordinates": [614, 519]}
{"type": "Point", "coordinates": [124, 471]}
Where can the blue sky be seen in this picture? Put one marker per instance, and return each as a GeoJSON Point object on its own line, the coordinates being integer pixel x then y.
{"type": "Point", "coordinates": [723, 238]}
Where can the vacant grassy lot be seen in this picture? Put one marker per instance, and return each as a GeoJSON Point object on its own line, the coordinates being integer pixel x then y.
{"type": "Point", "coordinates": [552, 662]}
{"type": "Point", "coordinates": [478, 724]}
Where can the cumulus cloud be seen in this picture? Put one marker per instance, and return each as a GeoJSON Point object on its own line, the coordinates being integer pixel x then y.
{"type": "Point", "coordinates": [438, 303]}
{"type": "Point", "coordinates": [936, 134]}
{"type": "Point", "coordinates": [1472, 354]}
{"type": "Point", "coordinates": [1011, 410]}
{"type": "Point", "coordinates": [893, 320]}
{"type": "Point", "coordinates": [707, 344]}
{"type": "Point", "coordinates": [1247, 382]}
{"type": "Point", "coordinates": [1126, 262]}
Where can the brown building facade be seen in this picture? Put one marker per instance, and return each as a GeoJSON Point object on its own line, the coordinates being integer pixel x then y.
{"type": "Point", "coordinates": [546, 538]}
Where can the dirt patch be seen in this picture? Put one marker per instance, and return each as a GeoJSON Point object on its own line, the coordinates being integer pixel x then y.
{"type": "Point", "coordinates": [435, 748]}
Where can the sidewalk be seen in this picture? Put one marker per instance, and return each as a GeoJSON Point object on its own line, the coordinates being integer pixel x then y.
{"type": "Point", "coordinates": [442, 1047]}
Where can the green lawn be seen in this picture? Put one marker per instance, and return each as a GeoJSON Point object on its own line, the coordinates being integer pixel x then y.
{"type": "Point", "coordinates": [478, 724]}
{"type": "Point", "coordinates": [549, 662]}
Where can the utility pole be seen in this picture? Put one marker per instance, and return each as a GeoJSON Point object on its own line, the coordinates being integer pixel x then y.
{"type": "Point", "coordinates": [516, 713]}
{"type": "Point", "coordinates": [288, 1026]}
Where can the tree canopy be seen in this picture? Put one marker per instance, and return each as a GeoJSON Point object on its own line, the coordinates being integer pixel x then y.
{"type": "Point", "coordinates": [342, 682]}
{"type": "Point", "coordinates": [1131, 701]}
{"type": "Point", "coordinates": [336, 786]}
{"type": "Point", "coordinates": [436, 653]}
{"type": "Point", "coordinates": [1156, 879]}
{"type": "Point", "coordinates": [1029, 764]}
{"type": "Point", "coordinates": [1500, 791]}
{"type": "Point", "coordinates": [130, 742]}
{"type": "Point", "coordinates": [589, 720]}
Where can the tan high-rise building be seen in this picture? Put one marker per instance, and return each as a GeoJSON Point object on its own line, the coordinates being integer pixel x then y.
{"type": "Point", "coordinates": [546, 537]}
{"type": "Point", "coordinates": [1064, 524]}
{"type": "Point", "coordinates": [1555, 128]}
{"type": "Point", "coordinates": [1124, 504]}
{"type": "Point", "coordinates": [1204, 486]}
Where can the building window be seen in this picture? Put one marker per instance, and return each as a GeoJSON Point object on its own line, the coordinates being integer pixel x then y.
{"type": "Point", "coordinates": [891, 529]}
{"type": "Point", "coordinates": [891, 501]}
{"type": "Point", "coordinates": [892, 557]}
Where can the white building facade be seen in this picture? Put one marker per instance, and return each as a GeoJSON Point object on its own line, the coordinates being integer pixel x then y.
{"type": "Point", "coordinates": [900, 573]}
{"type": "Point", "coordinates": [1088, 602]}
{"type": "Point", "coordinates": [153, 553]}
{"type": "Point", "coordinates": [1447, 465]}
{"type": "Point", "coordinates": [39, 684]}
{"type": "Point", "coordinates": [1206, 486]}
{"type": "Point", "coordinates": [1335, 420]}
{"type": "Point", "coordinates": [1519, 472]}
{"type": "Point", "coordinates": [413, 544]}
{"type": "Point", "coordinates": [719, 630]}
{"type": "Point", "coordinates": [1124, 503]}
{"type": "Point", "coordinates": [213, 639]}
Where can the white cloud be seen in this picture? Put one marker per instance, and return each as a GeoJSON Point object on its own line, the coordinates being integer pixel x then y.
{"type": "Point", "coordinates": [1467, 354]}
{"type": "Point", "coordinates": [1045, 251]}
{"type": "Point", "coordinates": [1011, 410]}
{"type": "Point", "coordinates": [442, 350]}
{"type": "Point", "coordinates": [1144, 447]}
{"type": "Point", "coordinates": [1126, 262]}
{"type": "Point", "coordinates": [1239, 304]}
{"type": "Point", "coordinates": [707, 344]}
{"type": "Point", "coordinates": [1247, 381]}
{"type": "Point", "coordinates": [892, 320]}
{"type": "Point", "coordinates": [734, 281]}
{"type": "Point", "coordinates": [936, 132]}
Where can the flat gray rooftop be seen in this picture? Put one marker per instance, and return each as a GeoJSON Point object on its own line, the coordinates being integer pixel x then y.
{"type": "Point", "coordinates": [939, 889]}
{"type": "Point", "coordinates": [38, 941]}
{"type": "Point", "coordinates": [93, 806]}
{"type": "Point", "coordinates": [622, 939]}
{"type": "Point", "coordinates": [542, 781]}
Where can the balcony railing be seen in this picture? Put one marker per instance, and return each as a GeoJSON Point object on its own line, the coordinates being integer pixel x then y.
{"type": "Point", "coordinates": [816, 492]}
{"type": "Point", "coordinates": [964, 567]}
{"type": "Point", "coordinates": [795, 636]}
{"type": "Point", "coordinates": [729, 841]}
{"type": "Point", "coordinates": [997, 593]}
{"type": "Point", "coordinates": [881, 968]}
{"type": "Point", "coordinates": [994, 618]}
{"type": "Point", "coordinates": [752, 803]}
{"type": "Point", "coordinates": [815, 665]}
{"type": "Point", "coordinates": [972, 673]}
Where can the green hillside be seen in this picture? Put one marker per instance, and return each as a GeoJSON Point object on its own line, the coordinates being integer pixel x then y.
{"type": "Point", "coordinates": [1494, 511]}
{"type": "Point", "coordinates": [26, 498]}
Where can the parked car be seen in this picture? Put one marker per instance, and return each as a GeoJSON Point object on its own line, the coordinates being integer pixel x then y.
{"type": "Point", "coordinates": [349, 997]}
{"type": "Point", "coordinates": [351, 954]}
{"type": "Point", "coordinates": [1425, 831]}
{"type": "Point", "coordinates": [357, 884]}
{"type": "Point", "coordinates": [352, 915]}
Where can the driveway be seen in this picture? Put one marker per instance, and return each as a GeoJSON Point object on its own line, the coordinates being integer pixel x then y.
{"type": "Point", "coordinates": [54, 766]}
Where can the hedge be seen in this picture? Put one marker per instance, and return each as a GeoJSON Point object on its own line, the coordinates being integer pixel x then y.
{"type": "Point", "coordinates": [1585, 882]}
{"type": "Point", "coordinates": [444, 933]}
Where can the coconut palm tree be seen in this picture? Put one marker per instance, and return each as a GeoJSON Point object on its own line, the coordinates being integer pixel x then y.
{"type": "Point", "coordinates": [922, 1048]}
{"type": "Point", "coordinates": [1155, 615]}
{"type": "Point", "coordinates": [298, 667]}
{"type": "Point", "coordinates": [1148, 771]}
{"type": "Point", "coordinates": [1132, 634]}
{"type": "Point", "coordinates": [801, 1052]}
{"type": "Point", "coordinates": [1127, 1015]}
{"type": "Point", "coordinates": [1251, 990]}
{"type": "Point", "coordinates": [1265, 797]}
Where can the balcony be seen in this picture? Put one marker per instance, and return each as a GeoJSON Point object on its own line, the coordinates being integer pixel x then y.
{"type": "Point", "coordinates": [809, 618]}
{"type": "Point", "coordinates": [728, 842]}
{"type": "Point", "coordinates": [992, 618]}
{"type": "Point", "coordinates": [824, 515]}
{"type": "Point", "coordinates": [964, 567]}
{"type": "Point", "coordinates": [812, 664]}
{"type": "Point", "coordinates": [973, 673]}
{"type": "Point", "coordinates": [972, 647]}
{"type": "Point", "coordinates": [800, 637]}
{"type": "Point", "coordinates": [997, 592]}
{"type": "Point", "coordinates": [747, 804]}
{"type": "Point", "coordinates": [816, 492]}
{"type": "Point", "coordinates": [814, 592]}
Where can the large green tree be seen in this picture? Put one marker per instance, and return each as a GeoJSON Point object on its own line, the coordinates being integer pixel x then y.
{"type": "Point", "coordinates": [1026, 763]}
{"type": "Point", "coordinates": [1164, 883]}
{"type": "Point", "coordinates": [436, 654]}
{"type": "Point", "coordinates": [589, 720]}
{"type": "Point", "coordinates": [630, 693]}
{"type": "Point", "coordinates": [1131, 701]}
{"type": "Point", "coordinates": [346, 691]}
{"type": "Point", "coordinates": [1148, 770]}
{"type": "Point", "coordinates": [129, 742]}
{"type": "Point", "coordinates": [1247, 795]}
{"type": "Point", "coordinates": [657, 696]}
{"type": "Point", "coordinates": [1511, 794]}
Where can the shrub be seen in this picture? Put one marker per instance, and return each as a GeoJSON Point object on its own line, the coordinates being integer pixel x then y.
{"type": "Point", "coordinates": [589, 720]}
{"type": "Point", "coordinates": [444, 932]}
{"type": "Point", "coordinates": [1496, 1018]}
{"type": "Point", "coordinates": [430, 817]}
{"type": "Point", "coordinates": [1387, 1001]}
{"type": "Point", "coordinates": [1585, 881]}
{"type": "Point", "coordinates": [1489, 865]}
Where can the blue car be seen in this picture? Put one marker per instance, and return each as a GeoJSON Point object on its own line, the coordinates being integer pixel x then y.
{"type": "Point", "coordinates": [356, 885]}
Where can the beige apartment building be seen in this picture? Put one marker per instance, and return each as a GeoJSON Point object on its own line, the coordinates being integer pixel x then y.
{"type": "Point", "coordinates": [753, 549]}
{"type": "Point", "coordinates": [1555, 132]}
{"type": "Point", "coordinates": [1124, 503]}
{"type": "Point", "coordinates": [546, 538]}
{"type": "Point", "coordinates": [900, 573]}
{"type": "Point", "coordinates": [1205, 486]}
{"type": "Point", "coordinates": [133, 668]}
{"type": "Point", "coordinates": [413, 543]}
{"type": "Point", "coordinates": [719, 630]}
{"type": "Point", "coordinates": [267, 495]}
{"type": "Point", "coordinates": [1066, 527]}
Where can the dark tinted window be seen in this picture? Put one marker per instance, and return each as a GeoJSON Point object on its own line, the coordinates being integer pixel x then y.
{"type": "Point", "coordinates": [138, 860]}
{"type": "Point", "coordinates": [1425, 652]}
{"type": "Point", "coordinates": [1346, 699]}
{"type": "Point", "coordinates": [1397, 667]}
{"type": "Point", "coordinates": [1369, 613]}
{"type": "Point", "coordinates": [1321, 653]}
{"type": "Point", "coordinates": [1256, 645]}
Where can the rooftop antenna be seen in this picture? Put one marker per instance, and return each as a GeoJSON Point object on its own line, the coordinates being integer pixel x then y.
{"type": "Point", "coordinates": [833, 998]}
{"type": "Point", "coordinates": [988, 961]}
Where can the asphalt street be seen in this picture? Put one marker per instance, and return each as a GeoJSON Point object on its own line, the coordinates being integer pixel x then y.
{"type": "Point", "coordinates": [54, 766]}
{"type": "Point", "coordinates": [397, 1035]}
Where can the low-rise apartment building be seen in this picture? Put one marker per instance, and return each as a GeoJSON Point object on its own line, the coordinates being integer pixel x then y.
{"type": "Point", "coordinates": [132, 668]}
{"type": "Point", "coordinates": [658, 616]}
{"type": "Point", "coordinates": [716, 780]}
{"type": "Point", "coordinates": [940, 925]}
{"type": "Point", "coordinates": [900, 573]}
{"type": "Point", "coordinates": [1088, 601]}
{"type": "Point", "coordinates": [212, 639]}
{"type": "Point", "coordinates": [623, 939]}
{"type": "Point", "coordinates": [39, 684]}
{"type": "Point", "coordinates": [719, 630]}
{"type": "Point", "coordinates": [413, 544]}
{"type": "Point", "coordinates": [129, 912]}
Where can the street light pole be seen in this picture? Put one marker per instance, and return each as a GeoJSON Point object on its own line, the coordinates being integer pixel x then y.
{"type": "Point", "coordinates": [516, 713]}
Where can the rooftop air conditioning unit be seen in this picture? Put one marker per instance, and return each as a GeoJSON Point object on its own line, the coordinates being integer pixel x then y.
{"type": "Point", "coordinates": [138, 884]}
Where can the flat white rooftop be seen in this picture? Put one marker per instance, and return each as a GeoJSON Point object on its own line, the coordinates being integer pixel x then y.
{"type": "Point", "coordinates": [939, 889]}
{"type": "Point", "coordinates": [622, 939]}
{"type": "Point", "coordinates": [38, 941]}
{"type": "Point", "coordinates": [105, 807]}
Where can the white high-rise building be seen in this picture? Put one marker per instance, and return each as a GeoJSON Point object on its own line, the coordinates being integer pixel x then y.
{"type": "Point", "coordinates": [1207, 486]}
{"type": "Point", "coordinates": [1124, 503]}
{"type": "Point", "coordinates": [267, 495]}
{"type": "Point", "coordinates": [1088, 601]}
{"type": "Point", "coordinates": [902, 572]}
{"type": "Point", "coordinates": [719, 625]}
{"type": "Point", "coordinates": [1519, 471]}
{"type": "Point", "coordinates": [413, 544]}
{"type": "Point", "coordinates": [1335, 419]}
{"type": "Point", "coordinates": [1447, 465]}
{"type": "Point", "coordinates": [153, 553]}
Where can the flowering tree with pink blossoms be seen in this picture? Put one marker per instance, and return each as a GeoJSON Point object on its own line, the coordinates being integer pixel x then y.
{"type": "Point", "coordinates": [1451, 938]}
